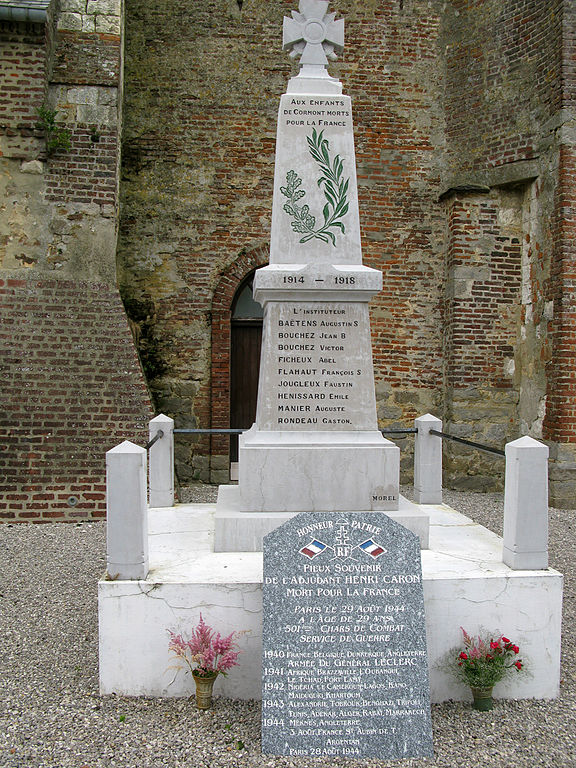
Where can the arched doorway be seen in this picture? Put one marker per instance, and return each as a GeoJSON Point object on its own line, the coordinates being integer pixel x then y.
{"type": "Point", "coordinates": [245, 344]}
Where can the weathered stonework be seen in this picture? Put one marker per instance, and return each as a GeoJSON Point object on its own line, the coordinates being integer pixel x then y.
{"type": "Point", "coordinates": [458, 168]}
{"type": "Point", "coordinates": [507, 118]}
{"type": "Point", "coordinates": [466, 153]}
{"type": "Point", "coordinates": [73, 385]}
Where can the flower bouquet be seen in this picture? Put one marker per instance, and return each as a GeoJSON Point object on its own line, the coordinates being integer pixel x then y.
{"type": "Point", "coordinates": [483, 662]}
{"type": "Point", "coordinates": [207, 654]}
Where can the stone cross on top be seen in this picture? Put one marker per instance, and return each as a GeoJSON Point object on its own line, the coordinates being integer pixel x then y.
{"type": "Point", "coordinates": [313, 34]}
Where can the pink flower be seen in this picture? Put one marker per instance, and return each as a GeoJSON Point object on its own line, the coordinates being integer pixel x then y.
{"type": "Point", "coordinates": [177, 644]}
{"type": "Point", "coordinates": [206, 651]}
{"type": "Point", "coordinates": [229, 660]}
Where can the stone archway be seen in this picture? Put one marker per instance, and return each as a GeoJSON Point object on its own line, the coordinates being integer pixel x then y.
{"type": "Point", "coordinates": [245, 348]}
{"type": "Point", "coordinates": [223, 298]}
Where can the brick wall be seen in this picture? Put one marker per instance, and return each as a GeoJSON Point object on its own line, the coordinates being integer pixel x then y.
{"type": "Point", "coordinates": [72, 389]}
{"type": "Point", "coordinates": [560, 422]}
{"type": "Point", "coordinates": [464, 115]}
{"type": "Point", "coordinates": [393, 73]}
{"type": "Point", "coordinates": [87, 174]}
{"type": "Point", "coordinates": [482, 322]}
{"type": "Point", "coordinates": [509, 73]}
{"type": "Point", "coordinates": [198, 164]}
{"type": "Point", "coordinates": [22, 84]}
{"type": "Point", "coordinates": [503, 67]}
{"type": "Point", "coordinates": [72, 385]}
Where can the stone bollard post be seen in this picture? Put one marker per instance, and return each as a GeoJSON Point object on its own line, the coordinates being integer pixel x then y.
{"type": "Point", "coordinates": [427, 461]}
{"type": "Point", "coordinates": [526, 505]}
{"type": "Point", "coordinates": [161, 462]}
{"type": "Point", "coordinates": [127, 512]}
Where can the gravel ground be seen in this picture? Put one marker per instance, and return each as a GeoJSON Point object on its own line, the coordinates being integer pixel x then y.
{"type": "Point", "coordinates": [51, 714]}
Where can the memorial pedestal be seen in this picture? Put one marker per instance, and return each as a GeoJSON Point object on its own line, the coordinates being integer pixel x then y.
{"type": "Point", "coordinates": [465, 583]}
{"type": "Point", "coordinates": [237, 531]}
{"type": "Point", "coordinates": [315, 446]}
{"type": "Point", "coordinates": [317, 471]}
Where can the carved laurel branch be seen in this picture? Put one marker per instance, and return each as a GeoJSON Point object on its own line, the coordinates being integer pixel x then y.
{"type": "Point", "coordinates": [335, 189]}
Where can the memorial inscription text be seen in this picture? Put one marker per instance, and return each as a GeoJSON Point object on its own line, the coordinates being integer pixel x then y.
{"type": "Point", "coordinates": [344, 658]}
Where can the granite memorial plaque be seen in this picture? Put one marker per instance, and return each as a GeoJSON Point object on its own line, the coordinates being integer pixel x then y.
{"type": "Point", "coordinates": [345, 669]}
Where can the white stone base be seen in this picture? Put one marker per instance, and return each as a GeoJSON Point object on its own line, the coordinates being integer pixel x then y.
{"type": "Point", "coordinates": [317, 471]}
{"type": "Point", "coordinates": [465, 584]}
{"type": "Point", "coordinates": [237, 531]}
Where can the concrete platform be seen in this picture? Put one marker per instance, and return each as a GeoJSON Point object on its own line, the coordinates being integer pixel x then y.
{"type": "Point", "coordinates": [465, 584]}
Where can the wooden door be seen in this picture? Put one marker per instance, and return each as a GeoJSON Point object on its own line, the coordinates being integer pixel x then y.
{"type": "Point", "coordinates": [245, 344]}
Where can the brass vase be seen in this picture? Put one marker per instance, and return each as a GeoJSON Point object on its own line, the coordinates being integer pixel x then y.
{"type": "Point", "coordinates": [204, 685]}
{"type": "Point", "coordinates": [482, 699]}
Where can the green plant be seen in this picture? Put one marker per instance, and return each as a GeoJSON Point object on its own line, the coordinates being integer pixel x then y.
{"type": "Point", "coordinates": [236, 743]}
{"type": "Point", "coordinates": [206, 652]}
{"type": "Point", "coordinates": [335, 191]}
{"type": "Point", "coordinates": [56, 137]}
{"type": "Point", "coordinates": [484, 661]}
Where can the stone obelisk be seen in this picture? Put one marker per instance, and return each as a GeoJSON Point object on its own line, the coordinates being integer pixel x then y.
{"type": "Point", "coordinates": [315, 445]}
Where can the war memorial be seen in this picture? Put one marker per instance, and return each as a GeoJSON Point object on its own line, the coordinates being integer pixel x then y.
{"type": "Point", "coordinates": [350, 592]}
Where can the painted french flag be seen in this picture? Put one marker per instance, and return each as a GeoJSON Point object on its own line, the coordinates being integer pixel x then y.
{"type": "Point", "coordinates": [371, 548]}
{"type": "Point", "coordinates": [313, 549]}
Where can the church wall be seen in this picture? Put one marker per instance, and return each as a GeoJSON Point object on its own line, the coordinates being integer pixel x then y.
{"type": "Point", "coordinates": [456, 110]}
{"type": "Point", "coordinates": [560, 421]}
{"type": "Point", "coordinates": [466, 162]}
{"type": "Point", "coordinates": [197, 186]}
{"type": "Point", "coordinates": [72, 384]}
{"type": "Point", "coordinates": [506, 135]}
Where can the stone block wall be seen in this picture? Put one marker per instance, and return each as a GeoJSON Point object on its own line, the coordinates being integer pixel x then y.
{"type": "Point", "coordinates": [72, 383]}
{"type": "Point", "coordinates": [457, 110]}
{"type": "Point", "coordinates": [198, 165]}
{"type": "Point", "coordinates": [59, 211]}
{"type": "Point", "coordinates": [465, 139]}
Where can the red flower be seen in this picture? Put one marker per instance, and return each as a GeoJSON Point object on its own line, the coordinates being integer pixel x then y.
{"type": "Point", "coordinates": [494, 644]}
{"type": "Point", "coordinates": [489, 657]}
{"type": "Point", "coordinates": [505, 639]}
{"type": "Point", "coordinates": [515, 649]}
{"type": "Point", "coordinates": [463, 655]}
{"type": "Point", "coordinates": [518, 664]}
